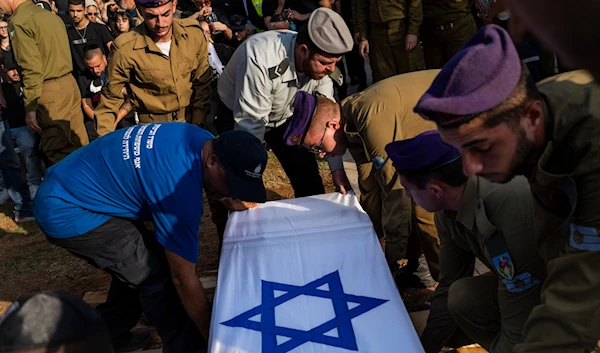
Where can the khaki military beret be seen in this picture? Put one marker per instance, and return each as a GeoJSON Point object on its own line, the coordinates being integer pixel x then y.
{"type": "Point", "coordinates": [329, 32]}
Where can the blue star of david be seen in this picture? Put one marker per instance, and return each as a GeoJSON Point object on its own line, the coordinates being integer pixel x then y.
{"type": "Point", "coordinates": [342, 320]}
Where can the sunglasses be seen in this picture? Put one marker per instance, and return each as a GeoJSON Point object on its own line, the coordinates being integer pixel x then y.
{"type": "Point", "coordinates": [93, 13]}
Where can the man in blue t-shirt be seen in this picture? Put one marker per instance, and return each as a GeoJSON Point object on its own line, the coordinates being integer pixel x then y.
{"type": "Point", "coordinates": [94, 202]}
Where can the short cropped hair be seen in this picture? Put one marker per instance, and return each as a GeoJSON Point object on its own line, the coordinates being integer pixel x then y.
{"type": "Point", "coordinates": [451, 174]}
{"type": "Point", "coordinates": [77, 2]}
{"type": "Point", "coordinates": [90, 51]}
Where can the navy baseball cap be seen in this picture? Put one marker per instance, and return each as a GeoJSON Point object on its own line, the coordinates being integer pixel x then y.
{"type": "Point", "coordinates": [245, 159]}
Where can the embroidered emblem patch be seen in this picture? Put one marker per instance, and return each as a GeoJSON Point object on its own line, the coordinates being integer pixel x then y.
{"type": "Point", "coordinates": [504, 266]}
{"type": "Point", "coordinates": [378, 162]}
{"type": "Point", "coordinates": [521, 283]}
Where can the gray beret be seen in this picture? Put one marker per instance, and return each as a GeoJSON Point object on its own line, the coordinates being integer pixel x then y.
{"type": "Point", "coordinates": [328, 31]}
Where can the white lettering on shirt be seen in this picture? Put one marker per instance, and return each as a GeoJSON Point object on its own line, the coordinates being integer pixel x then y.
{"type": "Point", "coordinates": [150, 140]}
{"type": "Point", "coordinates": [125, 143]}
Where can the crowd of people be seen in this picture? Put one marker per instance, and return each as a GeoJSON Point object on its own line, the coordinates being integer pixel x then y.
{"type": "Point", "coordinates": [462, 151]}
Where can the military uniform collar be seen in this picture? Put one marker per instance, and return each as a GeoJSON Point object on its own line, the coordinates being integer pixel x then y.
{"type": "Point", "coordinates": [143, 40]}
{"type": "Point", "coordinates": [466, 212]}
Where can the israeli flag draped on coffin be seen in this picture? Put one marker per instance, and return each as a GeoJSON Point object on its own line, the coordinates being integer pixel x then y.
{"type": "Point", "coordinates": [307, 275]}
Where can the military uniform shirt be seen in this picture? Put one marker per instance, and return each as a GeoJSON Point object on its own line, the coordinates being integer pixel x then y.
{"type": "Point", "coordinates": [439, 12]}
{"type": "Point", "coordinates": [260, 82]}
{"type": "Point", "coordinates": [157, 83]}
{"type": "Point", "coordinates": [366, 12]}
{"type": "Point", "coordinates": [566, 191]}
{"type": "Point", "coordinates": [489, 210]}
{"type": "Point", "coordinates": [41, 48]}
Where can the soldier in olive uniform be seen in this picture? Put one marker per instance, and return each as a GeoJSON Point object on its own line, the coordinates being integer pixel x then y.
{"type": "Point", "coordinates": [447, 26]}
{"type": "Point", "coordinates": [475, 219]}
{"type": "Point", "coordinates": [506, 125]}
{"type": "Point", "coordinates": [365, 123]}
{"type": "Point", "coordinates": [50, 93]}
{"type": "Point", "coordinates": [388, 34]}
{"type": "Point", "coordinates": [163, 65]}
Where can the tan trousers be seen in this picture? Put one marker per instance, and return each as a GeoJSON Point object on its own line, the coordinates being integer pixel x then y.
{"type": "Point", "coordinates": [60, 117]}
{"type": "Point", "coordinates": [441, 46]}
{"type": "Point", "coordinates": [387, 55]}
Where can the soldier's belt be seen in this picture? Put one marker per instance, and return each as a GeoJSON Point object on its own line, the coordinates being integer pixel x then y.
{"type": "Point", "coordinates": [388, 25]}
{"type": "Point", "coordinates": [450, 25]}
{"type": "Point", "coordinates": [147, 118]}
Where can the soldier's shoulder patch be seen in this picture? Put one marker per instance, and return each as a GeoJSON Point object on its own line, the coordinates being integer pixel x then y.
{"type": "Point", "coordinates": [280, 69]}
{"type": "Point", "coordinates": [337, 76]}
{"type": "Point", "coordinates": [521, 283]}
{"type": "Point", "coordinates": [378, 162]}
{"type": "Point", "coordinates": [504, 266]}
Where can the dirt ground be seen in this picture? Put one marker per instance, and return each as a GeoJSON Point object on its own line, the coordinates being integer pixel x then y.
{"type": "Point", "coordinates": [29, 264]}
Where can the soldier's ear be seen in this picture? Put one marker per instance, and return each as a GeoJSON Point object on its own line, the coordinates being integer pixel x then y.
{"type": "Point", "coordinates": [435, 189]}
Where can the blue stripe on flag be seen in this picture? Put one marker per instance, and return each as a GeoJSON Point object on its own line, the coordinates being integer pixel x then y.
{"type": "Point", "coordinates": [521, 283]}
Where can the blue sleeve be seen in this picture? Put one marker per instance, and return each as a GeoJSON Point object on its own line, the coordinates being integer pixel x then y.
{"type": "Point", "coordinates": [177, 218]}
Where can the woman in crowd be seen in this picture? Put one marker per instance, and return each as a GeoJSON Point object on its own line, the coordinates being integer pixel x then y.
{"type": "Point", "coordinates": [122, 23]}
{"type": "Point", "coordinates": [109, 12]}
{"type": "Point", "coordinates": [92, 13]}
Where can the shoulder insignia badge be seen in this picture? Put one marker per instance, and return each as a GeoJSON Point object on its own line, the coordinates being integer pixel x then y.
{"type": "Point", "coordinates": [504, 266]}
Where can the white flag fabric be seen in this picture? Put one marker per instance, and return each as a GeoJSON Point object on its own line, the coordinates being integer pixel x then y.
{"type": "Point", "coordinates": [307, 275]}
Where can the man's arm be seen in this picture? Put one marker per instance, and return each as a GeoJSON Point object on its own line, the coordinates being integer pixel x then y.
{"type": "Point", "coordinates": [253, 100]}
{"type": "Point", "coordinates": [455, 263]}
{"type": "Point", "coordinates": [118, 72]}
{"type": "Point", "coordinates": [191, 292]}
{"type": "Point", "coordinates": [29, 59]}
{"type": "Point", "coordinates": [360, 17]}
{"type": "Point", "coordinates": [201, 90]}
{"type": "Point", "coordinates": [125, 109]}
{"type": "Point", "coordinates": [86, 104]}
{"type": "Point", "coordinates": [415, 18]}
{"type": "Point", "coordinates": [106, 37]}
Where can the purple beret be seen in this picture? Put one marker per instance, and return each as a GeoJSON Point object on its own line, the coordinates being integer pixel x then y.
{"type": "Point", "coordinates": [304, 108]}
{"type": "Point", "coordinates": [480, 76]}
{"type": "Point", "coordinates": [421, 154]}
{"type": "Point", "coordinates": [152, 3]}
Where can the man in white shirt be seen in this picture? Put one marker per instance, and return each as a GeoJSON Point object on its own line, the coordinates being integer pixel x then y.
{"type": "Point", "coordinates": [260, 82]}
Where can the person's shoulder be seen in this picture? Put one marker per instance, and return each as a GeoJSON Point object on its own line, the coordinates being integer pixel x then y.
{"type": "Point", "coordinates": [188, 23]}
{"type": "Point", "coordinates": [98, 27]}
{"type": "Point", "coordinates": [126, 40]}
{"type": "Point", "coordinates": [507, 204]}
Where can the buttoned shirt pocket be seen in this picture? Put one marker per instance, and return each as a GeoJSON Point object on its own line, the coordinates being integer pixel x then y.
{"type": "Point", "coordinates": [185, 67]}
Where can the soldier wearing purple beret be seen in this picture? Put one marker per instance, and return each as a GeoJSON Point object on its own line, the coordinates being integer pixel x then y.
{"type": "Point", "coordinates": [476, 219]}
{"type": "Point", "coordinates": [365, 123]}
{"type": "Point", "coordinates": [163, 66]}
{"type": "Point", "coordinates": [486, 104]}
